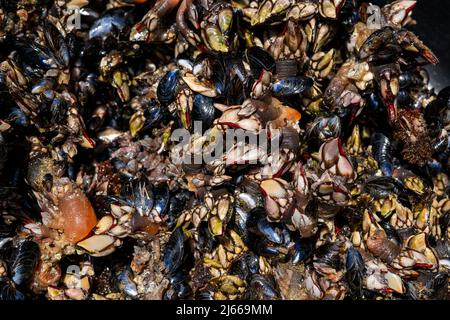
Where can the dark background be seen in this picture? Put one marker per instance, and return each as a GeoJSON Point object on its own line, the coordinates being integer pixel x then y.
{"type": "Point", "coordinates": [433, 28]}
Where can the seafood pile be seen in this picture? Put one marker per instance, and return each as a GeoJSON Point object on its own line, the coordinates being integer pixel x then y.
{"type": "Point", "coordinates": [99, 200]}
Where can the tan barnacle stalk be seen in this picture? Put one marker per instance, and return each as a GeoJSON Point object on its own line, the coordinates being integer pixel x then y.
{"type": "Point", "coordinates": [318, 288]}
{"type": "Point", "coordinates": [330, 8]}
{"type": "Point", "coordinates": [291, 44]}
{"type": "Point", "coordinates": [440, 183]}
{"type": "Point", "coordinates": [343, 91]}
{"type": "Point", "coordinates": [227, 287]}
{"type": "Point", "coordinates": [149, 27]}
{"type": "Point", "coordinates": [329, 187]}
{"type": "Point", "coordinates": [354, 144]}
{"type": "Point", "coordinates": [216, 208]}
{"type": "Point", "coordinates": [379, 278]}
{"type": "Point", "coordinates": [277, 194]}
{"type": "Point", "coordinates": [322, 63]}
{"type": "Point", "coordinates": [269, 9]}
{"type": "Point", "coordinates": [303, 11]}
{"type": "Point", "coordinates": [398, 12]}
{"type": "Point", "coordinates": [333, 159]}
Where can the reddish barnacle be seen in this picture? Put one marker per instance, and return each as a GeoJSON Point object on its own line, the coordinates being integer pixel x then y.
{"type": "Point", "coordinates": [78, 216]}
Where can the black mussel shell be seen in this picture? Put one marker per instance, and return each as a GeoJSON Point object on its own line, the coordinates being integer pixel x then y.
{"type": "Point", "coordinates": [271, 231]}
{"type": "Point", "coordinates": [262, 288]}
{"type": "Point", "coordinates": [153, 114]}
{"type": "Point", "coordinates": [203, 111]}
{"type": "Point", "coordinates": [381, 187]}
{"type": "Point", "coordinates": [382, 152]}
{"type": "Point", "coordinates": [139, 194]}
{"type": "Point", "coordinates": [8, 292]}
{"type": "Point", "coordinates": [161, 196]}
{"type": "Point", "coordinates": [125, 282]}
{"type": "Point", "coordinates": [206, 240]}
{"type": "Point", "coordinates": [24, 262]}
{"type": "Point", "coordinates": [375, 41]}
{"type": "Point", "coordinates": [329, 255]}
{"type": "Point", "coordinates": [111, 24]}
{"type": "Point", "coordinates": [34, 55]}
{"type": "Point", "coordinates": [259, 59]}
{"type": "Point", "coordinates": [303, 249]}
{"type": "Point", "coordinates": [57, 44]}
{"type": "Point", "coordinates": [167, 87]}
{"type": "Point", "coordinates": [177, 203]}
{"type": "Point", "coordinates": [174, 251]}
{"type": "Point", "coordinates": [355, 272]}
{"type": "Point", "coordinates": [245, 266]}
{"type": "Point", "coordinates": [291, 86]}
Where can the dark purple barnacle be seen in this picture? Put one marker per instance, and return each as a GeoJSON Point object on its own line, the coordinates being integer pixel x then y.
{"type": "Point", "coordinates": [8, 292]}
{"type": "Point", "coordinates": [167, 87]}
{"type": "Point", "coordinates": [24, 261]}
{"type": "Point", "coordinates": [291, 86]}
{"type": "Point", "coordinates": [173, 255]}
